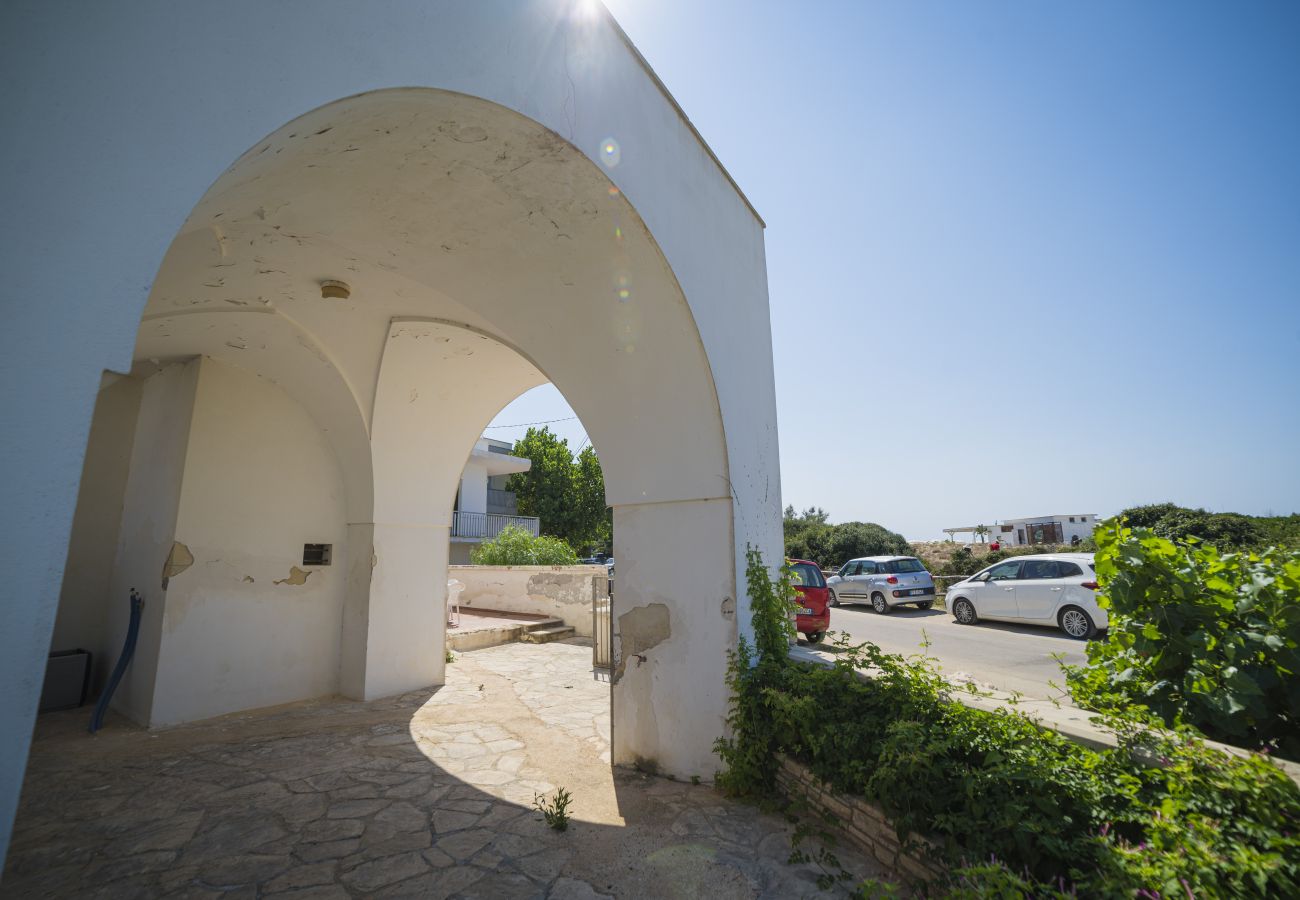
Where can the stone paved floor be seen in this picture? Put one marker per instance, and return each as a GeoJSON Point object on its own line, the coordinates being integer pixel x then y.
{"type": "Point", "coordinates": [423, 795]}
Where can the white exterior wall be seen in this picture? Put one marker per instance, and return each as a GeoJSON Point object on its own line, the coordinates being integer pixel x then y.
{"type": "Point", "coordinates": [260, 481]}
{"type": "Point", "coordinates": [120, 115]}
{"type": "Point", "coordinates": [561, 591]}
{"type": "Point", "coordinates": [148, 529]}
{"type": "Point", "coordinates": [474, 486]}
{"type": "Point", "coordinates": [85, 600]}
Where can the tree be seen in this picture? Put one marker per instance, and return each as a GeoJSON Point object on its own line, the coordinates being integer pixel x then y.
{"type": "Point", "coordinates": [1227, 531]}
{"type": "Point", "coordinates": [596, 520]}
{"type": "Point", "coordinates": [548, 489]}
{"type": "Point", "coordinates": [568, 496]}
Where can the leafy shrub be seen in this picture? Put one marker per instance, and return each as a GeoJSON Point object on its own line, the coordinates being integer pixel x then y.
{"type": "Point", "coordinates": [809, 536]}
{"type": "Point", "coordinates": [1015, 810]}
{"type": "Point", "coordinates": [1227, 531]}
{"type": "Point", "coordinates": [516, 547]}
{"type": "Point", "coordinates": [1198, 637]}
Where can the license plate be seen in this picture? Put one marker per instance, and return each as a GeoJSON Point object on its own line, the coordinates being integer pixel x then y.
{"type": "Point", "coordinates": [918, 591]}
{"type": "Point", "coordinates": [806, 611]}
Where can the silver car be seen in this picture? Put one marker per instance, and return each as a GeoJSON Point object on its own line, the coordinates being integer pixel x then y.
{"type": "Point", "coordinates": [1045, 589]}
{"type": "Point", "coordinates": [882, 581]}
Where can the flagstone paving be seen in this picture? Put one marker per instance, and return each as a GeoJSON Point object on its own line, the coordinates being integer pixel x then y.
{"type": "Point", "coordinates": [424, 795]}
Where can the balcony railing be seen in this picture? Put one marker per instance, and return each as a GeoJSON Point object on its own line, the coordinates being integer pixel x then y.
{"type": "Point", "coordinates": [488, 525]}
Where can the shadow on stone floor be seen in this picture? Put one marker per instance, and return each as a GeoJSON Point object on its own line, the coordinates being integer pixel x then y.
{"type": "Point", "coordinates": [424, 795]}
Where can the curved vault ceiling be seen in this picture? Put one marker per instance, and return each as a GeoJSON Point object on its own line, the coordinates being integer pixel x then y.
{"type": "Point", "coordinates": [433, 205]}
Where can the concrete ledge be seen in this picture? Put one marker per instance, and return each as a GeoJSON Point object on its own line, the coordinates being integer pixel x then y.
{"type": "Point", "coordinates": [858, 821]}
{"type": "Point", "coordinates": [564, 592]}
{"type": "Point", "coordinates": [1072, 723]}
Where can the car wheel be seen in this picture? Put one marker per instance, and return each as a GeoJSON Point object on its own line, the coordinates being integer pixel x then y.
{"type": "Point", "coordinates": [878, 603]}
{"type": "Point", "coordinates": [925, 604]}
{"type": "Point", "coordinates": [964, 612]}
{"type": "Point", "coordinates": [815, 637]}
{"type": "Point", "coordinates": [835, 601]}
{"type": "Point", "coordinates": [1077, 623]}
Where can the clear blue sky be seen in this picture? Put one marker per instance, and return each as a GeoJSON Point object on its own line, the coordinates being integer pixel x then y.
{"type": "Point", "coordinates": [1023, 258]}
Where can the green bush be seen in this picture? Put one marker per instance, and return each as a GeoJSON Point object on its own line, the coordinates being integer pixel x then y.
{"type": "Point", "coordinates": [1198, 637]}
{"type": "Point", "coordinates": [809, 536]}
{"type": "Point", "coordinates": [516, 547]}
{"type": "Point", "coordinates": [1227, 531]}
{"type": "Point", "coordinates": [1015, 810]}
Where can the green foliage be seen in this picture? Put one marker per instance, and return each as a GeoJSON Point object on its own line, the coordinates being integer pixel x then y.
{"type": "Point", "coordinates": [1050, 817]}
{"type": "Point", "coordinates": [516, 547]}
{"type": "Point", "coordinates": [1227, 531]}
{"type": "Point", "coordinates": [595, 520]}
{"type": "Point", "coordinates": [1198, 637]}
{"type": "Point", "coordinates": [555, 811]}
{"type": "Point", "coordinates": [567, 495]}
{"type": "Point", "coordinates": [750, 751]}
{"type": "Point", "coordinates": [808, 536]}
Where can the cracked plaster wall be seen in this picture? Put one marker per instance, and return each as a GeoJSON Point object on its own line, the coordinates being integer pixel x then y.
{"type": "Point", "coordinates": [246, 624]}
{"type": "Point", "coordinates": [561, 591]}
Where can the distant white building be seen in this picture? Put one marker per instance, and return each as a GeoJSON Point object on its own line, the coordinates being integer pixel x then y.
{"type": "Point", "coordinates": [1053, 529]}
{"type": "Point", "coordinates": [483, 505]}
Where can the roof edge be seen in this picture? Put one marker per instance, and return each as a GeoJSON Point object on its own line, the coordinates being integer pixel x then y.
{"type": "Point", "coordinates": [663, 89]}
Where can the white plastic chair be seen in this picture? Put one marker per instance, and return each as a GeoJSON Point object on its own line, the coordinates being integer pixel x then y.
{"type": "Point", "coordinates": [454, 588]}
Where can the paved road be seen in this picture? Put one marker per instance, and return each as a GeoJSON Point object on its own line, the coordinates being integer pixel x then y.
{"type": "Point", "coordinates": [1007, 657]}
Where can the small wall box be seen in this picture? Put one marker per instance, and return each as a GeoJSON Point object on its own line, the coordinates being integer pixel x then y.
{"type": "Point", "coordinates": [67, 680]}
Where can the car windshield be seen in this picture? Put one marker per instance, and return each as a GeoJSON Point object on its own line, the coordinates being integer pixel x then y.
{"type": "Point", "coordinates": [905, 565]}
{"type": "Point", "coordinates": [805, 575]}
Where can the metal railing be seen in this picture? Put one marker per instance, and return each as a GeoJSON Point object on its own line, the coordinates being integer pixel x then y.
{"type": "Point", "coordinates": [488, 525]}
{"type": "Point", "coordinates": [602, 623]}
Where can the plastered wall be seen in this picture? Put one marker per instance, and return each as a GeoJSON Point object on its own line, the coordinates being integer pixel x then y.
{"type": "Point", "coordinates": [561, 591]}
{"type": "Point", "coordinates": [260, 481]}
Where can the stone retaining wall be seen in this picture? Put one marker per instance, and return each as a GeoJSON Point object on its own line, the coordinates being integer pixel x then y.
{"type": "Point", "coordinates": [562, 591]}
{"type": "Point", "coordinates": [857, 820]}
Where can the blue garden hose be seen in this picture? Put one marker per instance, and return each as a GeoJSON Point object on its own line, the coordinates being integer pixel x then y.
{"type": "Point", "coordinates": [128, 650]}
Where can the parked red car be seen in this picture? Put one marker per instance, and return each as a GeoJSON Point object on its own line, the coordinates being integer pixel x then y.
{"type": "Point", "coordinates": [814, 617]}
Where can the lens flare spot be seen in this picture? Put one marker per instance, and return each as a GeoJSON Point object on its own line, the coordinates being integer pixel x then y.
{"type": "Point", "coordinates": [610, 153]}
{"type": "Point", "coordinates": [613, 191]}
{"type": "Point", "coordinates": [618, 233]}
{"type": "Point", "coordinates": [624, 295]}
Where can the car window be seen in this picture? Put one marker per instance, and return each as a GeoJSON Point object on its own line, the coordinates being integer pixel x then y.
{"type": "Point", "coordinates": [1069, 569]}
{"type": "Point", "coordinates": [850, 568]}
{"type": "Point", "coordinates": [904, 565]}
{"type": "Point", "coordinates": [869, 567]}
{"type": "Point", "coordinates": [1040, 568]}
{"type": "Point", "coordinates": [1004, 571]}
{"type": "Point", "coordinates": [805, 575]}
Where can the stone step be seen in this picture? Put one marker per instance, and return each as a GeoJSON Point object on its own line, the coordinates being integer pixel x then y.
{"type": "Point", "coordinates": [546, 635]}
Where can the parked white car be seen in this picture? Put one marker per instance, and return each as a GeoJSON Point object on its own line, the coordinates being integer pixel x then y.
{"type": "Point", "coordinates": [882, 581]}
{"type": "Point", "coordinates": [1045, 589]}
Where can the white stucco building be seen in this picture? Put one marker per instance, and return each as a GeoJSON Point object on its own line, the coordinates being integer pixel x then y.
{"type": "Point", "coordinates": [1061, 528]}
{"type": "Point", "coordinates": [483, 505]}
{"type": "Point", "coordinates": [271, 268]}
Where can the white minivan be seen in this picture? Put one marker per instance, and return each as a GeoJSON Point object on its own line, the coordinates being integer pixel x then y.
{"type": "Point", "coordinates": [1046, 589]}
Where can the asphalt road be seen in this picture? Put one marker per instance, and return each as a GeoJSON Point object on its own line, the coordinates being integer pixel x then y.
{"type": "Point", "coordinates": [1006, 657]}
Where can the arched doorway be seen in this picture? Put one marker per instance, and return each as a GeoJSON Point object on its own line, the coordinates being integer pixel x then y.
{"type": "Point", "coordinates": [396, 267]}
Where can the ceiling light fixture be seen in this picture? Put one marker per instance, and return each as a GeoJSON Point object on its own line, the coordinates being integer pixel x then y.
{"type": "Point", "coordinates": [331, 289]}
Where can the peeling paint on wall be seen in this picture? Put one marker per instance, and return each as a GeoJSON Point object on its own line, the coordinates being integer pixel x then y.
{"type": "Point", "coordinates": [296, 576]}
{"type": "Point", "coordinates": [177, 562]}
{"type": "Point", "coordinates": [642, 629]}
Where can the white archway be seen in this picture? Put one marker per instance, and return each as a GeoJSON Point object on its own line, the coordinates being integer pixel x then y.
{"type": "Point", "coordinates": [122, 125]}
{"type": "Point", "coordinates": [482, 256]}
